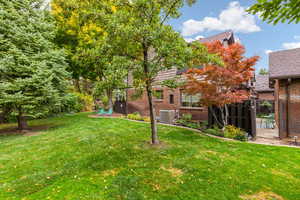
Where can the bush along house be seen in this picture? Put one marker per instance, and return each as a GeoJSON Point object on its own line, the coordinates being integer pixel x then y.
{"type": "Point", "coordinates": [174, 99]}
{"type": "Point", "coordinates": [285, 78]}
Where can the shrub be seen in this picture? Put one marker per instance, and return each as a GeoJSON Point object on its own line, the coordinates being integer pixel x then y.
{"type": "Point", "coordinates": [186, 120]}
{"type": "Point", "coordinates": [146, 119]}
{"type": "Point", "coordinates": [135, 116]}
{"type": "Point", "coordinates": [234, 133]}
{"type": "Point", "coordinates": [215, 131]}
{"type": "Point", "coordinates": [204, 124]}
{"type": "Point", "coordinates": [86, 102]}
{"type": "Point", "coordinates": [194, 125]}
{"type": "Point", "coordinates": [105, 102]}
{"type": "Point", "coordinates": [72, 103]}
{"type": "Point", "coordinates": [186, 117]}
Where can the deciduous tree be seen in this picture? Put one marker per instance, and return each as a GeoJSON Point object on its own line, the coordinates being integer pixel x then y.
{"type": "Point", "coordinates": [222, 85]}
{"type": "Point", "coordinates": [149, 42]}
{"type": "Point", "coordinates": [263, 71]}
{"type": "Point", "coordinates": [274, 11]}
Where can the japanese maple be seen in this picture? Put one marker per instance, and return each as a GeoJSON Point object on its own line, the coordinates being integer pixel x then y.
{"type": "Point", "coordinates": [222, 85]}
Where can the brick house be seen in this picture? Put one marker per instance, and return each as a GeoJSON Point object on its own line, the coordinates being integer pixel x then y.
{"type": "Point", "coordinates": [168, 99]}
{"type": "Point", "coordinates": [263, 93]}
{"type": "Point", "coordinates": [285, 78]}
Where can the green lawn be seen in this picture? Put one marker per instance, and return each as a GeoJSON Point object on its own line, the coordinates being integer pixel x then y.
{"type": "Point", "coordinates": [85, 158]}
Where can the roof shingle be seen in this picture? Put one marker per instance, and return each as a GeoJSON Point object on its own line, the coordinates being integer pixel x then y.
{"type": "Point", "coordinates": [262, 83]}
{"type": "Point", "coordinates": [285, 64]}
{"type": "Point", "coordinates": [221, 37]}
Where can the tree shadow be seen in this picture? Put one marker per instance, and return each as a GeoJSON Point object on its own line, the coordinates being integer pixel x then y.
{"type": "Point", "coordinates": [32, 130]}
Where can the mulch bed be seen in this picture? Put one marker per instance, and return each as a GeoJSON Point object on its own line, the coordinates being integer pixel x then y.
{"type": "Point", "coordinates": [32, 131]}
{"type": "Point", "coordinates": [114, 115]}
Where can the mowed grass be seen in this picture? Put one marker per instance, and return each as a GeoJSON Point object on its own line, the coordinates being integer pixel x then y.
{"type": "Point", "coordinates": [101, 159]}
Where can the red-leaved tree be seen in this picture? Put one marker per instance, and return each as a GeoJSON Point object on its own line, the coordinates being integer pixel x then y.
{"type": "Point", "coordinates": [222, 85]}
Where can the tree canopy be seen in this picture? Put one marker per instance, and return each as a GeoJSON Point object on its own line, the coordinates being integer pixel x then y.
{"type": "Point", "coordinates": [274, 11]}
{"type": "Point", "coordinates": [151, 45]}
{"type": "Point", "coordinates": [222, 85]}
{"type": "Point", "coordinates": [263, 71]}
{"type": "Point", "coordinates": [33, 78]}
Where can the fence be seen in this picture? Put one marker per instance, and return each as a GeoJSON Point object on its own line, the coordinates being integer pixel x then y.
{"type": "Point", "coordinates": [241, 115]}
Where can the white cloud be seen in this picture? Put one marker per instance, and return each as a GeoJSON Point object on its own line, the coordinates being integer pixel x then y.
{"type": "Point", "coordinates": [199, 37]}
{"type": "Point", "coordinates": [234, 17]}
{"type": "Point", "coordinates": [291, 45]}
{"type": "Point", "coordinates": [189, 39]}
{"type": "Point", "coordinates": [268, 51]}
{"type": "Point", "coordinates": [193, 39]}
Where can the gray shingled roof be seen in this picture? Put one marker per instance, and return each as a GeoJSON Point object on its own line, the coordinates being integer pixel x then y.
{"type": "Point", "coordinates": [262, 83]}
{"type": "Point", "coordinates": [285, 64]}
{"type": "Point", "coordinates": [221, 37]}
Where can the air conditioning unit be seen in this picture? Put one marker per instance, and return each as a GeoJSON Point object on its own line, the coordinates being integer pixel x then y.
{"type": "Point", "coordinates": [167, 116]}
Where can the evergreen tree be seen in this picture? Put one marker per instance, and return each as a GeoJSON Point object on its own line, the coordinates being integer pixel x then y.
{"type": "Point", "coordinates": [32, 69]}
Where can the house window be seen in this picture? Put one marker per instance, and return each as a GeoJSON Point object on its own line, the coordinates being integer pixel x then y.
{"type": "Point", "coordinates": [190, 100]}
{"type": "Point", "coordinates": [171, 99]}
{"type": "Point", "coordinates": [159, 94]}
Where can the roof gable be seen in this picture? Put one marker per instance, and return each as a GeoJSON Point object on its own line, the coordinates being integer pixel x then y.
{"type": "Point", "coordinates": [222, 37]}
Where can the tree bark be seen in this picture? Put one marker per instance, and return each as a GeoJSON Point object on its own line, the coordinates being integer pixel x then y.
{"type": "Point", "coordinates": [2, 118]}
{"type": "Point", "coordinates": [110, 99]}
{"type": "Point", "coordinates": [22, 122]}
{"type": "Point", "coordinates": [226, 114]}
{"type": "Point", "coordinates": [77, 85]}
{"type": "Point", "coordinates": [6, 110]}
{"type": "Point", "coordinates": [154, 136]}
{"type": "Point", "coordinates": [215, 116]}
{"type": "Point", "coordinates": [86, 86]}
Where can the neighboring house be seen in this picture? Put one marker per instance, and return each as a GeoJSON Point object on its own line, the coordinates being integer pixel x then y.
{"type": "Point", "coordinates": [264, 94]}
{"type": "Point", "coordinates": [285, 77]}
{"type": "Point", "coordinates": [176, 99]}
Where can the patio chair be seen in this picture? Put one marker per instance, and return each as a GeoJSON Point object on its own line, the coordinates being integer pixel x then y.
{"type": "Point", "coordinates": [102, 111]}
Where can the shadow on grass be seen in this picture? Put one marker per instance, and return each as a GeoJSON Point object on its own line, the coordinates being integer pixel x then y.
{"type": "Point", "coordinates": [12, 130]}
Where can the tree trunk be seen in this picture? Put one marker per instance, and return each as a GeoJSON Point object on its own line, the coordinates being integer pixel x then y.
{"type": "Point", "coordinates": [2, 118]}
{"type": "Point", "coordinates": [6, 110]}
{"type": "Point", "coordinates": [226, 115]}
{"type": "Point", "coordinates": [77, 85]}
{"type": "Point", "coordinates": [222, 117]}
{"type": "Point", "coordinates": [110, 99]}
{"type": "Point", "coordinates": [154, 137]}
{"type": "Point", "coordinates": [215, 116]}
{"type": "Point", "coordinates": [86, 86]}
{"type": "Point", "coordinates": [22, 122]}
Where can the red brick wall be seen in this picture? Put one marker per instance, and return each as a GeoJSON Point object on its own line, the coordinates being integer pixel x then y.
{"type": "Point", "coordinates": [294, 108]}
{"type": "Point", "coordinates": [288, 116]}
{"type": "Point", "coordinates": [269, 96]}
{"type": "Point", "coordinates": [141, 104]}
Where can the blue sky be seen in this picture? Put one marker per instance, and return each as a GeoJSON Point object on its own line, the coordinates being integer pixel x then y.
{"type": "Point", "coordinates": [209, 17]}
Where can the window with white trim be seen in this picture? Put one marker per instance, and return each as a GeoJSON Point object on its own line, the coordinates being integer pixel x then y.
{"type": "Point", "coordinates": [188, 100]}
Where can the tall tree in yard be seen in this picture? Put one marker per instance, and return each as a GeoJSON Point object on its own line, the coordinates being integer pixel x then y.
{"type": "Point", "coordinates": [91, 48]}
{"type": "Point", "coordinates": [222, 85]}
{"type": "Point", "coordinates": [152, 45]}
{"type": "Point", "coordinates": [32, 70]}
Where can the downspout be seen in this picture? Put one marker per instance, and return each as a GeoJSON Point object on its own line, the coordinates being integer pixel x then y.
{"type": "Point", "coordinates": [288, 96]}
